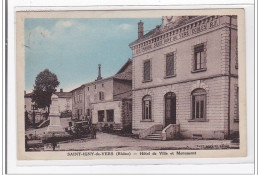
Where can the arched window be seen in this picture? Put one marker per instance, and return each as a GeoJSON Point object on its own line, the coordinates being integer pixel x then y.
{"type": "Point", "coordinates": [198, 97]}
{"type": "Point", "coordinates": [147, 107]}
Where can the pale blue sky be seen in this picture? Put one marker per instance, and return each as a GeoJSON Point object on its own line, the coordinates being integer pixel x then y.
{"type": "Point", "coordinates": [72, 48]}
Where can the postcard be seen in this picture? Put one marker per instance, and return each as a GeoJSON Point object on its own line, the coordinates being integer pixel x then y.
{"type": "Point", "coordinates": [131, 84]}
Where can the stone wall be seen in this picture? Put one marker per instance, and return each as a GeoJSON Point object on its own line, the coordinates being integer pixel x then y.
{"type": "Point", "coordinates": [216, 114]}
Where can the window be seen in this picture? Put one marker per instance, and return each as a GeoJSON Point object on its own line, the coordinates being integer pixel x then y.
{"type": "Point", "coordinates": [170, 64]}
{"type": "Point", "coordinates": [102, 85]}
{"type": "Point", "coordinates": [101, 96]}
{"type": "Point", "coordinates": [88, 112]}
{"type": "Point", "coordinates": [199, 57]}
{"type": "Point", "coordinates": [101, 116]}
{"type": "Point", "coordinates": [95, 86]}
{"type": "Point", "coordinates": [88, 88]}
{"type": "Point", "coordinates": [110, 115]}
{"type": "Point", "coordinates": [147, 70]}
{"type": "Point", "coordinates": [147, 107]}
{"type": "Point", "coordinates": [199, 104]}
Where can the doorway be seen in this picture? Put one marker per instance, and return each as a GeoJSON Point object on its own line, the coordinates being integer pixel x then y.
{"type": "Point", "coordinates": [170, 108]}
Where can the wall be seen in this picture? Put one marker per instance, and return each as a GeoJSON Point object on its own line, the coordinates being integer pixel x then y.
{"type": "Point", "coordinates": [216, 113]}
{"type": "Point", "coordinates": [92, 94]}
{"type": "Point", "coordinates": [184, 58]}
{"type": "Point", "coordinates": [214, 80]}
{"type": "Point", "coordinates": [122, 89]}
{"type": "Point", "coordinates": [28, 104]}
{"type": "Point", "coordinates": [115, 105]}
{"type": "Point", "coordinates": [76, 103]}
{"type": "Point", "coordinates": [64, 104]}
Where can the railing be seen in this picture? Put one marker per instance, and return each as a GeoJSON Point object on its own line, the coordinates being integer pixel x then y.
{"type": "Point", "coordinates": [171, 131]}
{"type": "Point", "coordinates": [150, 130]}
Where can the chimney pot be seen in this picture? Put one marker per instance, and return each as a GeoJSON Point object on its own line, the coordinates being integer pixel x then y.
{"type": "Point", "coordinates": [140, 29]}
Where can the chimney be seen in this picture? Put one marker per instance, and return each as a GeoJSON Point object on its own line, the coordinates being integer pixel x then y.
{"type": "Point", "coordinates": [140, 29]}
{"type": "Point", "coordinates": [99, 72]}
{"type": "Point", "coordinates": [61, 90]}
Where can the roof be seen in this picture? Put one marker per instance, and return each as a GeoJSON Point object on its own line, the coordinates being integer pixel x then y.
{"type": "Point", "coordinates": [157, 30]}
{"type": "Point", "coordinates": [129, 61]}
{"type": "Point", "coordinates": [64, 94]}
{"type": "Point", "coordinates": [98, 81]}
{"type": "Point", "coordinates": [120, 75]}
{"type": "Point", "coordinates": [29, 95]}
{"type": "Point", "coordinates": [124, 76]}
{"type": "Point", "coordinates": [81, 86]}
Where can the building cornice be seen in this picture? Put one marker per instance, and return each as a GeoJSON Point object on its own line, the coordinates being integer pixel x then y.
{"type": "Point", "coordinates": [187, 80]}
{"type": "Point", "coordinates": [184, 32]}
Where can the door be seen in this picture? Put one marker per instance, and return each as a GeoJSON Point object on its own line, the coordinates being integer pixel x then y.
{"type": "Point", "coordinates": [170, 108]}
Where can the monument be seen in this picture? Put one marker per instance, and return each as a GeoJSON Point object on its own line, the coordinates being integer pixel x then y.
{"type": "Point", "coordinates": [55, 124]}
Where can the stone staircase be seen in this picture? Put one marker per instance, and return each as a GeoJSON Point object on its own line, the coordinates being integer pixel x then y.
{"type": "Point", "coordinates": [157, 135]}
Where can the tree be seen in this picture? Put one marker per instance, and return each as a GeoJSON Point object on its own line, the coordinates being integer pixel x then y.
{"type": "Point", "coordinates": [45, 85]}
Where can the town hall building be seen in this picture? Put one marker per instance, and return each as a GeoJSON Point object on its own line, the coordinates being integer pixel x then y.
{"type": "Point", "coordinates": [185, 78]}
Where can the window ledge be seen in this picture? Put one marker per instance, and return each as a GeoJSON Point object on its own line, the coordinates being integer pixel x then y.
{"type": "Point", "coordinates": [147, 120]}
{"type": "Point", "coordinates": [198, 120]}
{"type": "Point", "coordinates": [200, 70]}
{"type": "Point", "coordinates": [146, 81]}
{"type": "Point", "coordinates": [236, 120]}
{"type": "Point", "coordinates": [169, 76]}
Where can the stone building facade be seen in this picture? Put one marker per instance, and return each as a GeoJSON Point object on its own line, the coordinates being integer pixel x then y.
{"type": "Point", "coordinates": [102, 99]}
{"type": "Point", "coordinates": [78, 106]}
{"type": "Point", "coordinates": [64, 101]}
{"type": "Point", "coordinates": [185, 73]}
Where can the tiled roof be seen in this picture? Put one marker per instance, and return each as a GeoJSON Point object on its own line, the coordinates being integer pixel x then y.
{"type": "Point", "coordinates": [64, 94]}
{"type": "Point", "coordinates": [124, 76]}
{"type": "Point", "coordinates": [157, 31]}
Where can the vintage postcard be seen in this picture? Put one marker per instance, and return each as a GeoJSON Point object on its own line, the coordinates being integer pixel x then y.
{"type": "Point", "coordinates": [135, 84]}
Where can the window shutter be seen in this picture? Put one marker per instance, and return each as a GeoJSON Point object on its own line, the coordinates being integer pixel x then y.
{"type": "Point", "coordinates": [170, 64]}
{"type": "Point", "coordinates": [147, 70]}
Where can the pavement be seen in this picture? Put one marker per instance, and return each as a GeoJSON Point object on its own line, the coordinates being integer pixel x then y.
{"type": "Point", "coordinates": [109, 142]}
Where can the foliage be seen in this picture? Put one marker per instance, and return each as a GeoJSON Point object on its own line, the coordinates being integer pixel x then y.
{"type": "Point", "coordinates": [45, 85]}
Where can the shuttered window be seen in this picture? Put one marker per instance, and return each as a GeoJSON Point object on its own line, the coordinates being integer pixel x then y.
{"type": "Point", "coordinates": [199, 57]}
{"type": "Point", "coordinates": [169, 64]}
{"type": "Point", "coordinates": [147, 70]}
{"type": "Point", "coordinates": [101, 96]}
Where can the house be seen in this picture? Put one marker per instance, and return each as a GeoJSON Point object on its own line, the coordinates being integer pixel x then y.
{"type": "Point", "coordinates": [31, 110]}
{"type": "Point", "coordinates": [106, 101]}
{"type": "Point", "coordinates": [185, 78]}
{"type": "Point", "coordinates": [64, 101]}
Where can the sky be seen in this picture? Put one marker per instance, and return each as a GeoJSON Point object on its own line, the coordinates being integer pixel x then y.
{"type": "Point", "coordinates": [73, 48]}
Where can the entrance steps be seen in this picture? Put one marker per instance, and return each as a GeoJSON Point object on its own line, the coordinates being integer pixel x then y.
{"type": "Point", "coordinates": [157, 135]}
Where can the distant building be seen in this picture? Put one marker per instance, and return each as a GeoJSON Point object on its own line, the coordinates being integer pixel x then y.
{"type": "Point", "coordinates": [185, 73]}
{"type": "Point", "coordinates": [104, 100]}
{"type": "Point", "coordinates": [31, 108]}
{"type": "Point", "coordinates": [64, 100]}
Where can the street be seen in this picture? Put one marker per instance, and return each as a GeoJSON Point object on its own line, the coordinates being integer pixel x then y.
{"type": "Point", "coordinates": [109, 142]}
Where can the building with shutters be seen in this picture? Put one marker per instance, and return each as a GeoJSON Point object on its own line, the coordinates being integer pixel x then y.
{"type": "Point", "coordinates": [185, 78]}
{"type": "Point", "coordinates": [106, 101]}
